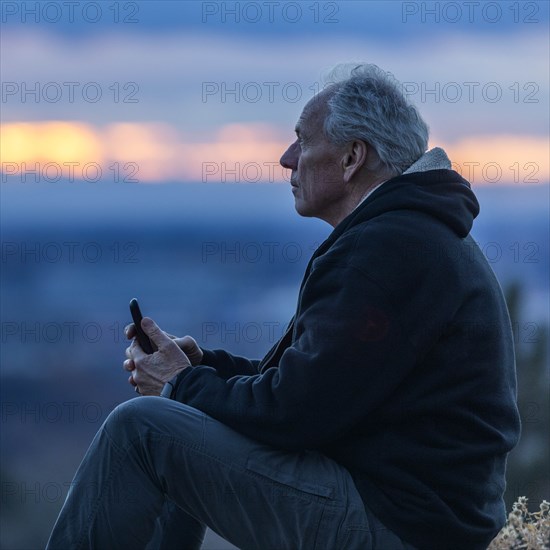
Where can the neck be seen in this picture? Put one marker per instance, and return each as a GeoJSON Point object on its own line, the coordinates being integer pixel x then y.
{"type": "Point", "coordinates": [370, 189]}
{"type": "Point", "coordinates": [353, 201]}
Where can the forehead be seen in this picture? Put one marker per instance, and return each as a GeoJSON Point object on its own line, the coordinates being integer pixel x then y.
{"type": "Point", "coordinates": [314, 112]}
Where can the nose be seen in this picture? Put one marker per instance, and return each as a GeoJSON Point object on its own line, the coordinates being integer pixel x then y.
{"type": "Point", "coordinates": [290, 157]}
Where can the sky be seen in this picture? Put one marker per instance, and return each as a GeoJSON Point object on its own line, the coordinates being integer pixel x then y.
{"type": "Point", "coordinates": [184, 91]}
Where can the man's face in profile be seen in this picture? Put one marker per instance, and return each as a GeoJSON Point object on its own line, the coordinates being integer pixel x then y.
{"type": "Point", "coordinates": [316, 163]}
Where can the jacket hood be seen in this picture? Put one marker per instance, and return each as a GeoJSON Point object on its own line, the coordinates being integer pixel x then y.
{"type": "Point", "coordinates": [429, 186]}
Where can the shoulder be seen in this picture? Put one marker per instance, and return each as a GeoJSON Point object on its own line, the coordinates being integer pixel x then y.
{"type": "Point", "coordinates": [391, 234]}
{"type": "Point", "coordinates": [401, 249]}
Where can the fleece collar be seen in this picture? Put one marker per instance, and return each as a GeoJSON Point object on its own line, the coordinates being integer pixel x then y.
{"type": "Point", "coordinates": [434, 159]}
{"type": "Point", "coordinates": [428, 186]}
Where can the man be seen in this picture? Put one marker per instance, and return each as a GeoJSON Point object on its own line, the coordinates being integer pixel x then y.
{"type": "Point", "coordinates": [384, 415]}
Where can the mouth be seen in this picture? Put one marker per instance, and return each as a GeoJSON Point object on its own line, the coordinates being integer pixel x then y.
{"type": "Point", "coordinates": [293, 183]}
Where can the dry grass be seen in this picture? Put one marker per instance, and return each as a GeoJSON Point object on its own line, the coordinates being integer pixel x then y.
{"type": "Point", "coordinates": [524, 530]}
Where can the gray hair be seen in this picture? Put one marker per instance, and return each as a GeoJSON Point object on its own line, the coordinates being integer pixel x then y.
{"type": "Point", "coordinates": [368, 104]}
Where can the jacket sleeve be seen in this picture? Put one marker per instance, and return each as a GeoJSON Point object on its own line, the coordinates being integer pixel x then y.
{"type": "Point", "coordinates": [348, 355]}
{"type": "Point", "coordinates": [228, 365]}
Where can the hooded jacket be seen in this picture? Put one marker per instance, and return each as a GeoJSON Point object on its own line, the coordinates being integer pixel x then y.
{"type": "Point", "coordinates": [398, 364]}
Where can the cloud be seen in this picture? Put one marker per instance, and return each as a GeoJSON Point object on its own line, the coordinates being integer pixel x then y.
{"type": "Point", "coordinates": [464, 84]}
{"type": "Point", "coordinates": [489, 159]}
{"type": "Point", "coordinates": [195, 105]}
{"type": "Point", "coordinates": [244, 153]}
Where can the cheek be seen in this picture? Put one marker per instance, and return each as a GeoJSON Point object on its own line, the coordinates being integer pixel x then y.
{"type": "Point", "coordinates": [308, 165]}
{"type": "Point", "coordinates": [302, 162]}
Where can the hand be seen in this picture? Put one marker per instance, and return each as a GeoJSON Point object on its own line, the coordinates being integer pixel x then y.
{"type": "Point", "coordinates": [187, 344]}
{"type": "Point", "coordinates": [151, 372]}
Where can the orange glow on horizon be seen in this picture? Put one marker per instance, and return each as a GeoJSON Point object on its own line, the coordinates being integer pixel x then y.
{"type": "Point", "coordinates": [50, 141]}
{"type": "Point", "coordinates": [243, 153]}
{"type": "Point", "coordinates": [501, 159]}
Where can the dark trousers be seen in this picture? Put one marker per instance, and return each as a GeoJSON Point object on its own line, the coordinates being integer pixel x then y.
{"type": "Point", "coordinates": [158, 472]}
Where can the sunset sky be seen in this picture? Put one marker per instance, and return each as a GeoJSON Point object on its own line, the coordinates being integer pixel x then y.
{"type": "Point", "coordinates": [210, 91]}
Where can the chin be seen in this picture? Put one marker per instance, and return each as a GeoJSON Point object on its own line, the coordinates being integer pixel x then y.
{"type": "Point", "coordinates": [303, 209]}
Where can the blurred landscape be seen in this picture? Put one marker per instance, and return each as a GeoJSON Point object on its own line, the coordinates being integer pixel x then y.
{"type": "Point", "coordinates": [220, 262]}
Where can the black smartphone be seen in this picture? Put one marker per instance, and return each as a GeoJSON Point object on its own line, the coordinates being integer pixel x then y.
{"type": "Point", "coordinates": [143, 340]}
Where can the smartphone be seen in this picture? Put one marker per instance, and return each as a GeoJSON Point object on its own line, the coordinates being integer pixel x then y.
{"type": "Point", "coordinates": [143, 340]}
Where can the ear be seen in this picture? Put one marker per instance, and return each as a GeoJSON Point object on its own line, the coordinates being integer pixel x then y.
{"type": "Point", "coordinates": [354, 158]}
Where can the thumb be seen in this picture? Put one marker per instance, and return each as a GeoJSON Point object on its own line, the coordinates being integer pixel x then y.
{"type": "Point", "coordinates": [154, 332]}
{"type": "Point", "coordinates": [187, 343]}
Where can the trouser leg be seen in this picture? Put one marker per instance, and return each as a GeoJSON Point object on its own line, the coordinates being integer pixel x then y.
{"type": "Point", "coordinates": [176, 529]}
{"type": "Point", "coordinates": [151, 450]}
{"type": "Point", "coordinates": [115, 499]}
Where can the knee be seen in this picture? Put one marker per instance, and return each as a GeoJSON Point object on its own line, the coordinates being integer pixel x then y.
{"type": "Point", "coordinates": [130, 418]}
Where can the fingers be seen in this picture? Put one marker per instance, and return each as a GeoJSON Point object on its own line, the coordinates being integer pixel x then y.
{"type": "Point", "coordinates": [130, 331]}
{"type": "Point", "coordinates": [134, 351]}
{"type": "Point", "coordinates": [187, 344]}
{"type": "Point", "coordinates": [190, 347]}
{"type": "Point", "coordinates": [129, 365]}
{"type": "Point", "coordinates": [158, 336]}
{"type": "Point", "coordinates": [148, 372]}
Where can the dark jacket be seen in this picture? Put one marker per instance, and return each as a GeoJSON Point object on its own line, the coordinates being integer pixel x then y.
{"type": "Point", "coordinates": [398, 364]}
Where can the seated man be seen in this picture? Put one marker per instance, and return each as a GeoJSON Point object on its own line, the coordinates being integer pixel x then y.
{"type": "Point", "coordinates": [384, 415]}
